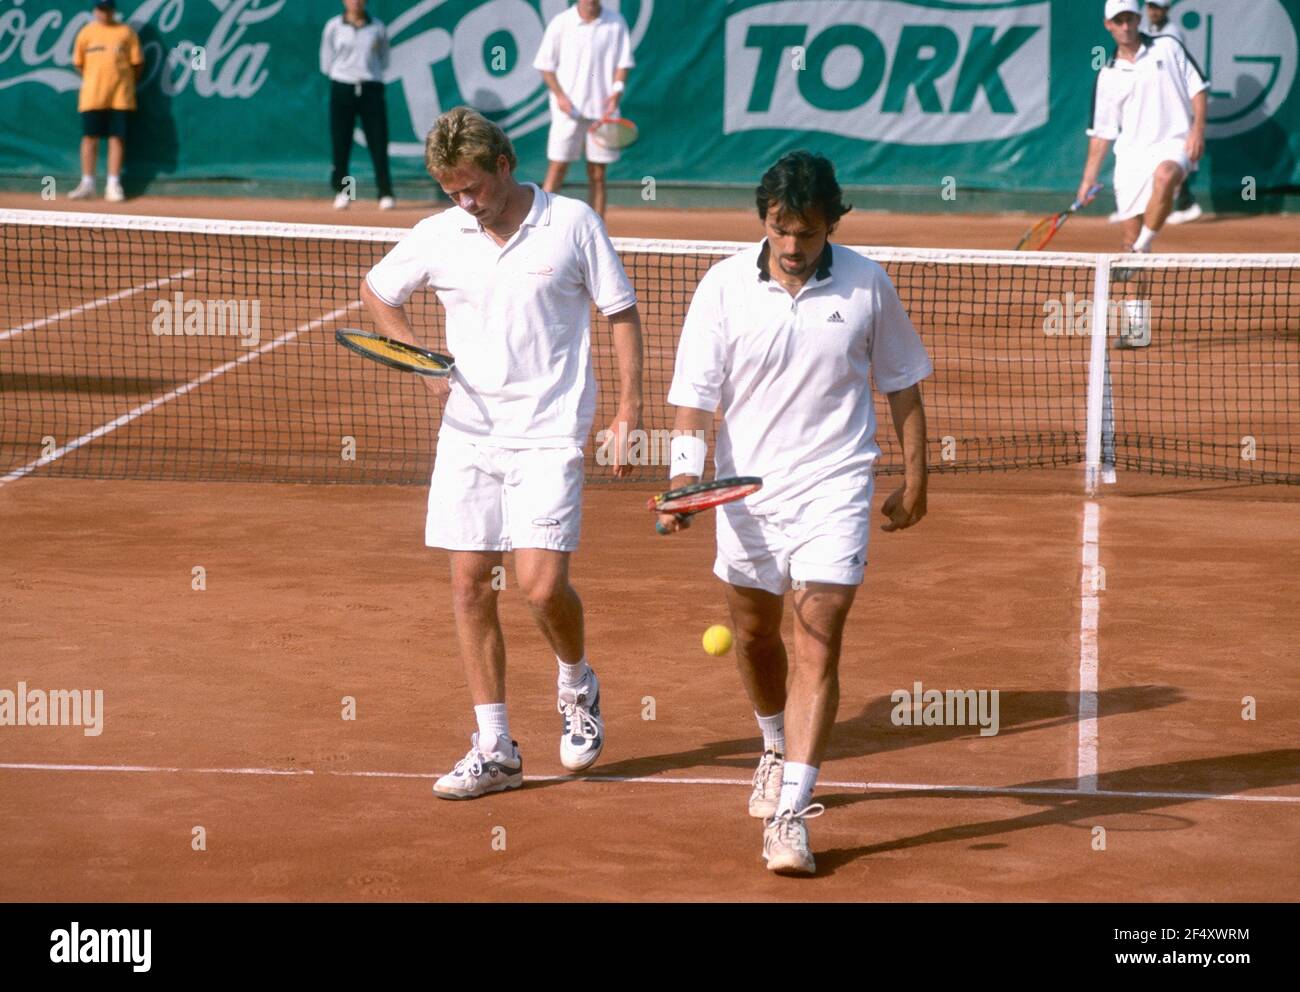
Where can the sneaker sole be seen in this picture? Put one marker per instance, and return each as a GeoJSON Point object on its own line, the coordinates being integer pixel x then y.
{"type": "Point", "coordinates": [510, 783]}
{"type": "Point", "coordinates": [789, 866]}
{"type": "Point", "coordinates": [586, 761]}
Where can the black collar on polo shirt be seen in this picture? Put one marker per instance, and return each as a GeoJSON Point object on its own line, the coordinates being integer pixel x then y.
{"type": "Point", "coordinates": [823, 263]}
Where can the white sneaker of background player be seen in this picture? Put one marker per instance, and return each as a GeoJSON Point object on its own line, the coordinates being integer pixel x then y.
{"type": "Point", "coordinates": [114, 193]}
{"type": "Point", "coordinates": [85, 190]}
{"type": "Point", "coordinates": [342, 201]}
{"type": "Point", "coordinates": [387, 203]}
{"type": "Point", "coordinates": [1185, 216]}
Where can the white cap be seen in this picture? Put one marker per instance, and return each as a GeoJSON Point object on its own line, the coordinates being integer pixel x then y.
{"type": "Point", "coordinates": [1117, 7]}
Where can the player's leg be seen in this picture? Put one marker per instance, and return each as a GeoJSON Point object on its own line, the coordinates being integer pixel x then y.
{"type": "Point", "coordinates": [596, 186]}
{"type": "Point", "coordinates": [374, 125]}
{"type": "Point", "coordinates": [465, 517]}
{"type": "Point", "coordinates": [1165, 182]}
{"type": "Point", "coordinates": [555, 172]}
{"type": "Point", "coordinates": [751, 561]}
{"type": "Point", "coordinates": [113, 191]}
{"type": "Point", "coordinates": [1130, 228]}
{"type": "Point", "coordinates": [599, 158]}
{"type": "Point", "coordinates": [342, 117]}
{"type": "Point", "coordinates": [543, 502]}
{"type": "Point", "coordinates": [90, 129]}
{"type": "Point", "coordinates": [828, 552]}
{"type": "Point", "coordinates": [563, 145]}
{"type": "Point", "coordinates": [761, 659]}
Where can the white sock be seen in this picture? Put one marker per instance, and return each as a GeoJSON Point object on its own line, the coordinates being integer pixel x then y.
{"type": "Point", "coordinates": [493, 728]}
{"type": "Point", "coordinates": [114, 179]}
{"type": "Point", "coordinates": [773, 728]}
{"type": "Point", "coordinates": [87, 180]}
{"type": "Point", "coordinates": [572, 676]}
{"type": "Point", "coordinates": [1144, 239]}
{"type": "Point", "coordinates": [797, 784]}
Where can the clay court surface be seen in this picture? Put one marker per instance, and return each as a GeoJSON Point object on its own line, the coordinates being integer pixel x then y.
{"type": "Point", "coordinates": [223, 706]}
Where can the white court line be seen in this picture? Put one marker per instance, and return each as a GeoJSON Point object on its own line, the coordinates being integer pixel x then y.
{"type": "Point", "coordinates": [1090, 609]}
{"type": "Point", "coordinates": [983, 790]}
{"type": "Point", "coordinates": [53, 318]}
{"type": "Point", "coordinates": [158, 401]}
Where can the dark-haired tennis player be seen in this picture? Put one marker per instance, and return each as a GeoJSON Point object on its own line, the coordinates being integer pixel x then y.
{"type": "Point", "coordinates": [517, 270]}
{"type": "Point", "coordinates": [1150, 102]}
{"type": "Point", "coordinates": [782, 338]}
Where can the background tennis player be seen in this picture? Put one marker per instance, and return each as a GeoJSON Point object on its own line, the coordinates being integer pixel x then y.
{"type": "Point", "coordinates": [1149, 102]}
{"type": "Point", "coordinates": [781, 338]}
{"type": "Point", "coordinates": [517, 270]}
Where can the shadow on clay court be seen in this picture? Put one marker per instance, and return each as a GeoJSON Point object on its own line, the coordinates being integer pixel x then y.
{"type": "Point", "coordinates": [1227, 774]}
{"type": "Point", "coordinates": [872, 731]}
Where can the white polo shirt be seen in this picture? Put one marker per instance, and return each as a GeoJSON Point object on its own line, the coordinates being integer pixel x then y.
{"type": "Point", "coordinates": [584, 55]}
{"type": "Point", "coordinates": [518, 317]}
{"type": "Point", "coordinates": [791, 373]}
{"type": "Point", "coordinates": [1147, 102]}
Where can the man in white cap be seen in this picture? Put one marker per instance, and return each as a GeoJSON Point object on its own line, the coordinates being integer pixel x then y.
{"type": "Point", "coordinates": [1149, 102]}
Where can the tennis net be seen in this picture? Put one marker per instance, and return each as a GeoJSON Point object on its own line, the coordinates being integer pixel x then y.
{"type": "Point", "coordinates": [160, 348]}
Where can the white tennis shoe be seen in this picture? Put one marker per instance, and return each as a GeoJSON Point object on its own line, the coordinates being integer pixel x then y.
{"type": "Point", "coordinates": [582, 731]}
{"type": "Point", "coordinates": [342, 201]}
{"type": "Point", "coordinates": [767, 785]}
{"type": "Point", "coordinates": [785, 841]}
{"type": "Point", "coordinates": [85, 190]}
{"type": "Point", "coordinates": [480, 773]}
{"type": "Point", "coordinates": [114, 193]}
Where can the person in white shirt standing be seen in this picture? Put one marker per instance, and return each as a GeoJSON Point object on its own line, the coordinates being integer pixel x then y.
{"type": "Point", "coordinates": [1156, 22]}
{"type": "Point", "coordinates": [584, 58]}
{"type": "Point", "coordinates": [782, 338]}
{"type": "Point", "coordinates": [517, 270]}
{"type": "Point", "coordinates": [354, 55]}
{"type": "Point", "coordinates": [1150, 103]}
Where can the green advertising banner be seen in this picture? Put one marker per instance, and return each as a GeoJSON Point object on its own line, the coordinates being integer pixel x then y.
{"type": "Point", "coordinates": [899, 93]}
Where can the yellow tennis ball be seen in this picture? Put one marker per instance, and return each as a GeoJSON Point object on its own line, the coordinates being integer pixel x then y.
{"type": "Point", "coordinates": [717, 640]}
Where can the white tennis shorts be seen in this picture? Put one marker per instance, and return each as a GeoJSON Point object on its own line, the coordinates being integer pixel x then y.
{"type": "Point", "coordinates": [822, 540]}
{"type": "Point", "coordinates": [570, 138]}
{"type": "Point", "coordinates": [1135, 175]}
{"type": "Point", "coordinates": [484, 498]}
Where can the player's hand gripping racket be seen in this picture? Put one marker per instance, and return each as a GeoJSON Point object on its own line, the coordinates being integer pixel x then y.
{"type": "Point", "coordinates": [689, 500]}
{"type": "Point", "coordinates": [396, 354]}
{"type": "Point", "coordinates": [1036, 237]}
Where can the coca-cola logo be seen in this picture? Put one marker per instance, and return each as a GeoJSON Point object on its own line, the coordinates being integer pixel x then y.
{"type": "Point", "coordinates": [36, 46]}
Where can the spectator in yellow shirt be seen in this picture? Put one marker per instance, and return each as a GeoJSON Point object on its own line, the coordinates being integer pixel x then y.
{"type": "Point", "coordinates": [107, 54]}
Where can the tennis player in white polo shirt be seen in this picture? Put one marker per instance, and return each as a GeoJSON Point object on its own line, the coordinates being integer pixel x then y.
{"type": "Point", "coordinates": [517, 270]}
{"type": "Point", "coordinates": [1149, 102]}
{"type": "Point", "coordinates": [584, 58]}
{"type": "Point", "coordinates": [782, 338]}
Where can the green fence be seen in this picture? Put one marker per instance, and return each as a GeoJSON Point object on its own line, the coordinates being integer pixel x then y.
{"type": "Point", "coordinates": [922, 96]}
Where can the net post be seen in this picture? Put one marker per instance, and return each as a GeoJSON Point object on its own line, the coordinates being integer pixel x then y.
{"type": "Point", "coordinates": [1097, 375]}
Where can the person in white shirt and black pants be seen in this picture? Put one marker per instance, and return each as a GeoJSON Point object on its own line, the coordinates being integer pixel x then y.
{"type": "Point", "coordinates": [354, 54]}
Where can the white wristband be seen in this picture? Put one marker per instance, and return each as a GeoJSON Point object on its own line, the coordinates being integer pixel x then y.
{"type": "Point", "coordinates": [618, 86]}
{"type": "Point", "coordinates": [686, 456]}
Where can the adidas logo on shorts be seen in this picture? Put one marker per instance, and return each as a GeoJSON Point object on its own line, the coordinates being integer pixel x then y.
{"type": "Point", "coordinates": [835, 318]}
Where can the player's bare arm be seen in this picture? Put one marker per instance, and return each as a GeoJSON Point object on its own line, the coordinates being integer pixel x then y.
{"type": "Point", "coordinates": [627, 348]}
{"type": "Point", "coordinates": [1098, 149]}
{"type": "Point", "coordinates": [1196, 137]}
{"type": "Point", "coordinates": [905, 506]}
{"type": "Point", "coordinates": [553, 84]}
{"type": "Point", "coordinates": [392, 323]}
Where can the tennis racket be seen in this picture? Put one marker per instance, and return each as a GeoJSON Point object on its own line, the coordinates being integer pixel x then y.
{"type": "Point", "coordinates": [395, 354]}
{"type": "Point", "coordinates": [1036, 237]}
{"type": "Point", "coordinates": [692, 499]}
{"type": "Point", "coordinates": [614, 133]}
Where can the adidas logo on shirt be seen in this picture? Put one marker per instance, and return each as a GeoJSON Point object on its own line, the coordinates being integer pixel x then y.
{"type": "Point", "coordinates": [835, 318]}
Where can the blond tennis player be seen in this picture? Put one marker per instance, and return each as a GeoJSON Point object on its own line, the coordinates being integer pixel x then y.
{"type": "Point", "coordinates": [782, 339]}
{"type": "Point", "coordinates": [517, 270]}
{"type": "Point", "coordinates": [1150, 103]}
